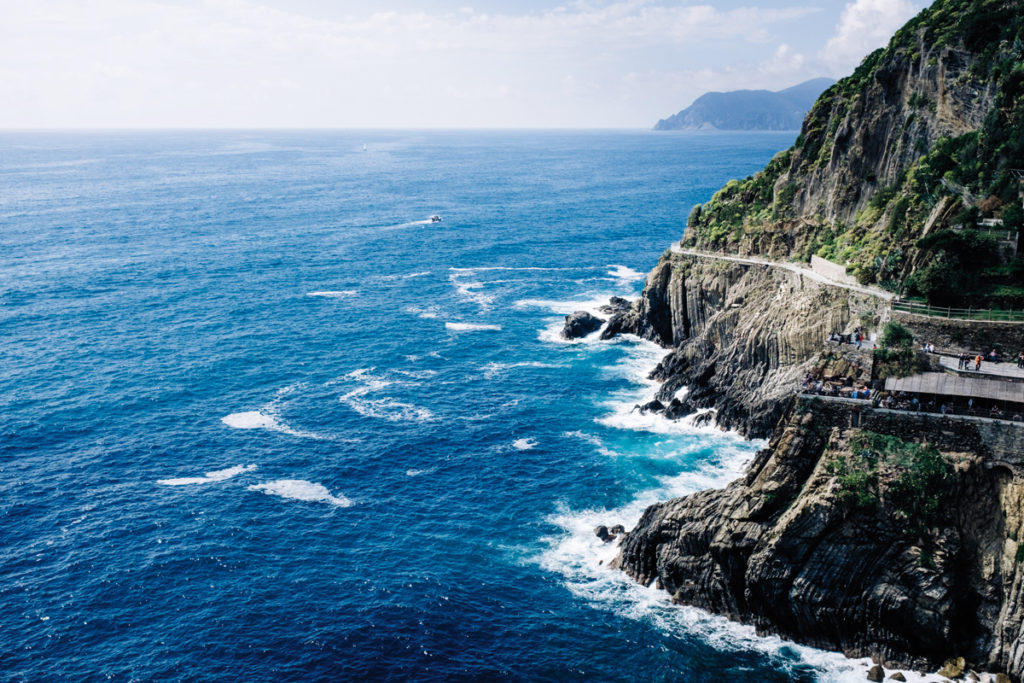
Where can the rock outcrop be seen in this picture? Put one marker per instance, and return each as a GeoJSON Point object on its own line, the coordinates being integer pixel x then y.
{"type": "Point", "coordinates": [796, 549]}
{"type": "Point", "coordinates": [923, 139]}
{"type": "Point", "coordinates": [580, 324]}
{"type": "Point", "coordinates": [904, 549]}
{"type": "Point", "coordinates": [742, 338]}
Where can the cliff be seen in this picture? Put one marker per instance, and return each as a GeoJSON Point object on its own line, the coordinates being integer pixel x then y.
{"type": "Point", "coordinates": [854, 530]}
{"type": "Point", "coordinates": [748, 109]}
{"type": "Point", "coordinates": [895, 165]}
{"type": "Point", "coordinates": [856, 539]}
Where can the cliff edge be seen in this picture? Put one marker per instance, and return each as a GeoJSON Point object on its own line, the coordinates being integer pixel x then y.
{"type": "Point", "coordinates": [858, 529]}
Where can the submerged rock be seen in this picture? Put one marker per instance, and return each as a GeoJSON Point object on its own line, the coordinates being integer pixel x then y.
{"type": "Point", "coordinates": [580, 324]}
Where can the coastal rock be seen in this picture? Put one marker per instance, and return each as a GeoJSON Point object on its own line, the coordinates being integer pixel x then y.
{"type": "Point", "coordinates": [876, 673]}
{"type": "Point", "coordinates": [898, 676]}
{"type": "Point", "coordinates": [800, 546]}
{"type": "Point", "coordinates": [580, 324]}
{"type": "Point", "coordinates": [605, 535]}
{"type": "Point", "coordinates": [654, 406]}
{"type": "Point", "coordinates": [616, 305]}
{"type": "Point", "coordinates": [953, 668]}
{"type": "Point", "coordinates": [784, 549]}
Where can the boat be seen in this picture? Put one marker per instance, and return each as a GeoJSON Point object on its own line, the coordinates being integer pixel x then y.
{"type": "Point", "coordinates": [435, 218]}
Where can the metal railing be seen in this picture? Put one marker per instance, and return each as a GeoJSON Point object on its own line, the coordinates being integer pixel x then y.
{"type": "Point", "coordinates": [952, 313]}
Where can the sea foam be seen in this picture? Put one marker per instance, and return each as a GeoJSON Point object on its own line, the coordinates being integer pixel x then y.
{"type": "Point", "coordinates": [385, 407]}
{"type": "Point", "coordinates": [471, 327]}
{"type": "Point", "coordinates": [216, 475]}
{"type": "Point", "coordinates": [300, 489]}
{"type": "Point", "coordinates": [259, 419]}
{"type": "Point", "coordinates": [624, 274]}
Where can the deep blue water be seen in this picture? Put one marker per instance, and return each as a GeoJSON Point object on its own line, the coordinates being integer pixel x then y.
{"type": "Point", "coordinates": [260, 421]}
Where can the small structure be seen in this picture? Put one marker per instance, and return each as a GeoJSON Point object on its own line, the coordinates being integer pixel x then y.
{"type": "Point", "coordinates": [980, 394]}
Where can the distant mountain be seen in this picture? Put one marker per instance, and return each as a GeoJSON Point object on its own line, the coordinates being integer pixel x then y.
{"type": "Point", "coordinates": [749, 109]}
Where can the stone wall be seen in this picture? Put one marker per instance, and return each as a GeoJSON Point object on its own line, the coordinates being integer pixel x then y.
{"type": "Point", "coordinates": [994, 439]}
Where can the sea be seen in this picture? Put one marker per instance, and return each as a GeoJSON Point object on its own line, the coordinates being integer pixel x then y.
{"type": "Point", "coordinates": [261, 419]}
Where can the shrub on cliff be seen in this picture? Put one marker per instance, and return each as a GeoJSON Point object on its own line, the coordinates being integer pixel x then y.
{"type": "Point", "coordinates": [898, 357]}
{"type": "Point", "coordinates": [880, 164]}
{"type": "Point", "coordinates": [911, 481]}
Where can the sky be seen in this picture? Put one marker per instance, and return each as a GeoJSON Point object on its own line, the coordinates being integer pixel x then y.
{"type": "Point", "coordinates": [405, 64]}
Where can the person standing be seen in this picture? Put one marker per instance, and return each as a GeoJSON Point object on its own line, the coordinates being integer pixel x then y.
{"type": "Point", "coordinates": [977, 363]}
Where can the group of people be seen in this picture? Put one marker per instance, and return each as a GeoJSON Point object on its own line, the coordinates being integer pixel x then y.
{"type": "Point", "coordinates": [899, 400]}
{"type": "Point", "coordinates": [835, 387]}
{"type": "Point", "coordinates": [964, 361]}
{"type": "Point", "coordinates": [856, 338]}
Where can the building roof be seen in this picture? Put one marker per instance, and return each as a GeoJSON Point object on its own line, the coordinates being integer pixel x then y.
{"type": "Point", "coordinates": [949, 385]}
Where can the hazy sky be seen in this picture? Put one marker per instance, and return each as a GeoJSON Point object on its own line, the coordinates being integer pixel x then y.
{"type": "Point", "coordinates": [406, 64]}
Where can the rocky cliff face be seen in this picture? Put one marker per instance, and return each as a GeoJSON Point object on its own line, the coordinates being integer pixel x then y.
{"type": "Point", "coordinates": [923, 137]}
{"type": "Point", "coordinates": [892, 538]}
{"type": "Point", "coordinates": [742, 338]}
{"type": "Point", "coordinates": [792, 549]}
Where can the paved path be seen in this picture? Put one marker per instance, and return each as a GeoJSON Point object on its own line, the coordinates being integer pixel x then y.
{"type": "Point", "coordinates": [792, 267]}
{"type": "Point", "coordinates": [989, 370]}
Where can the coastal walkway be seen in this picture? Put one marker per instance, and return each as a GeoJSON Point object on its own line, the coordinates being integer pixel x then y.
{"type": "Point", "coordinates": [1006, 370]}
{"type": "Point", "coordinates": [797, 268]}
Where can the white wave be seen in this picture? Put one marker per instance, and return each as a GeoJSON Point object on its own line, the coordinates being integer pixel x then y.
{"type": "Point", "coordinates": [492, 370]}
{"type": "Point", "coordinates": [524, 444]}
{"type": "Point", "coordinates": [259, 419]}
{"type": "Point", "coordinates": [216, 475]}
{"type": "Point", "coordinates": [334, 294]}
{"type": "Point", "coordinates": [624, 274]}
{"type": "Point", "coordinates": [641, 358]}
{"type": "Point", "coordinates": [300, 489]}
{"type": "Point", "coordinates": [417, 374]}
{"type": "Point", "coordinates": [407, 276]}
{"type": "Point", "coordinates": [565, 307]}
{"type": "Point", "coordinates": [385, 408]}
{"type": "Point", "coordinates": [418, 473]}
{"type": "Point", "coordinates": [428, 313]}
{"type": "Point", "coordinates": [484, 269]}
{"type": "Point", "coordinates": [582, 559]}
{"type": "Point", "coordinates": [471, 327]}
{"type": "Point", "coordinates": [593, 440]}
{"type": "Point", "coordinates": [466, 291]}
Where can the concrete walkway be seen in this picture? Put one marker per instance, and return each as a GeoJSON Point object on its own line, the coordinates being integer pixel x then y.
{"type": "Point", "coordinates": [1004, 370]}
{"type": "Point", "coordinates": [792, 267]}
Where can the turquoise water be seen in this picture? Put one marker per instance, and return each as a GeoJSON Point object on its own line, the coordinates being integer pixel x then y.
{"type": "Point", "coordinates": [261, 420]}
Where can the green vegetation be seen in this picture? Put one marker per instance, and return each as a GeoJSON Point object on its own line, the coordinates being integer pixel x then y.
{"type": "Point", "coordinates": [910, 480]}
{"type": "Point", "coordinates": [951, 183]}
{"type": "Point", "coordinates": [897, 356]}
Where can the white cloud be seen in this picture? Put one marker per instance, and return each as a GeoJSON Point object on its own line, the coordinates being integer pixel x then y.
{"type": "Point", "coordinates": [132, 63]}
{"type": "Point", "coordinates": [865, 26]}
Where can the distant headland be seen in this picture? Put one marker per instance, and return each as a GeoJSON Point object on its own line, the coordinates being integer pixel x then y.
{"type": "Point", "coordinates": [749, 109]}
